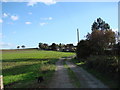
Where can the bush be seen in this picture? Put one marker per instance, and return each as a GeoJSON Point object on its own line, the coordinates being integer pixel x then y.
{"type": "Point", "coordinates": [104, 64]}
{"type": "Point", "coordinates": [83, 50]}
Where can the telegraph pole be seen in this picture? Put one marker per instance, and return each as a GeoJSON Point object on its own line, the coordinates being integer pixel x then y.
{"type": "Point", "coordinates": [78, 35]}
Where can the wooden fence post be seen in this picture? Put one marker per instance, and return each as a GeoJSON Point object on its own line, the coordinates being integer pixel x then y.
{"type": "Point", "coordinates": [1, 82]}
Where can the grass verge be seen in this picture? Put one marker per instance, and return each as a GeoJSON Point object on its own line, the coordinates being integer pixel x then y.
{"type": "Point", "coordinates": [72, 76]}
{"type": "Point", "coordinates": [105, 78]}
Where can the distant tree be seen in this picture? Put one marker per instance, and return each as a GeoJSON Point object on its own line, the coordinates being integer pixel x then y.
{"type": "Point", "coordinates": [45, 46]}
{"type": "Point", "coordinates": [40, 45]}
{"type": "Point", "coordinates": [18, 47]}
{"type": "Point", "coordinates": [70, 45]}
{"type": "Point", "coordinates": [54, 46]}
{"type": "Point", "coordinates": [60, 45]}
{"type": "Point", "coordinates": [23, 46]}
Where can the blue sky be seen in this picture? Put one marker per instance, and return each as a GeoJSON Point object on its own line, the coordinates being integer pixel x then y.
{"type": "Point", "coordinates": [28, 24]}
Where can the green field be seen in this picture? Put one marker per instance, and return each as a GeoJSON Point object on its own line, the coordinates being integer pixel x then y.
{"type": "Point", "coordinates": [20, 67]}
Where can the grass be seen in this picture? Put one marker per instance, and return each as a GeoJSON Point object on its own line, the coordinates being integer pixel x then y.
{"type": "Point", "coordinates": [101, 76]}
{"type": "Point", "coordinates": [20, 67]}
{"type": "Point", "coordinates": [72, 76]}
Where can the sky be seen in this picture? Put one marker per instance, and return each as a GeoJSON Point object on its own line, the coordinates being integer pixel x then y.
{"type": "Point", "coordinates": [29, 23]}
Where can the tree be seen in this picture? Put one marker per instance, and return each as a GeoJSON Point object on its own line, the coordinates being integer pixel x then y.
{"type": "Point", "coordinates": [40, 45]}
{"type": "Point", "coordinates": [101, 40]}
{"type": "Point", "coordinates": [43, 46]}
{"type": "Point", "coordinates": [23, 46]}
{"type": "Point", "coordinates": [18, 47]}
{"type": "Point", "coordinates": [70, 47]}
{"type": "Point", "coordinates": [109, 37]}
{"type": "Point", "coordinates": [83, 49]}
{"type": "Point", "coordinates": [54, 46]}
{"type": "Point", "coordinates": [101, 37]}
{"type": "Point", "coordinates": [100, 25]}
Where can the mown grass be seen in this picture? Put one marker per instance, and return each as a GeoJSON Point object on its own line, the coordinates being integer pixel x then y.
{"type": "Point", "coordinates": [19, 68]}
{"type": "Point", "coordinates": [72, 76]}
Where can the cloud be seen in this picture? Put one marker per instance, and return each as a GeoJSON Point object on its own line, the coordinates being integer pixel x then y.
{"type": "Point", "coordinates": [28, 23]}
{"type": "Point", "coordinates": [42, 24]}
{"type": "Point", "coordinates": [4, 0]}
{"type": "Point", "coordinates": [47, 2]}
{"type": "Point", "coordinates": [1, 21]}
{"type": "Point", "coordinates": [14, 18]}
{"type": "Point", "coordinates": [115, 30]}
{"type": "Point", "coordinates": [5, 15]}
{"type": "Point", "coordinates": [31, 3]}
{"type": "Point", "coordinates": [6, 45]}
{"type": "Point", "coordinates": [49, 18]}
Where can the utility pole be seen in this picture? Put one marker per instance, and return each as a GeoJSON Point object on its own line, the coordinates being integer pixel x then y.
{"type": "Point", "coordinates": [78, 35]}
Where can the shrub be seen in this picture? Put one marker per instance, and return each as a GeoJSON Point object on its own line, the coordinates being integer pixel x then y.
{"type": "Point", "coordinates": [104, 64]}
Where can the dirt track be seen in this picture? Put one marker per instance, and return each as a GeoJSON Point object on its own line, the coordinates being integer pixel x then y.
{"type": "Point", "coordinates": [62, 80]}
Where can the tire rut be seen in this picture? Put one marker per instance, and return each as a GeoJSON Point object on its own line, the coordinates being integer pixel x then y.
{"type": "Point", "coordinates": [86, 79]}
{"type": "Point", "coordinates": [61, 78]}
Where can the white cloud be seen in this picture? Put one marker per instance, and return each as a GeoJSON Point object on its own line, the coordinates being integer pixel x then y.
{"type": "Point", "coordinates": [1, 21]}
{"type": "Point", "coordinates": [5, 15]}
{"type": "Point", "coordinates": [47, 2]}
{"type": "Point", "coordinates": [48, 18]}
{"type": "Point", "coordinates": [6, 45]}
{"type": "Point", "coordinates": [14, 18]}
{"type": "Point", "coordinates": [42, 24]}
{"type": "Point", "coordinates": [75, 43]}
{"type": "Point", "coordinates": [4, 0]}
{"type": "Point", "coordinates": [115, 30]}
{"type": "Point", "coordinates": [31, 3]}
{"type": "Point", "coordinates": [28, 23]}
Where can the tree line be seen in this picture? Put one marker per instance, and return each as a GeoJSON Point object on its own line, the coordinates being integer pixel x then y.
{"type": "Point", "coordinates": [23, 46]}
{"type": "Point", "coordinates": [57, 47]}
